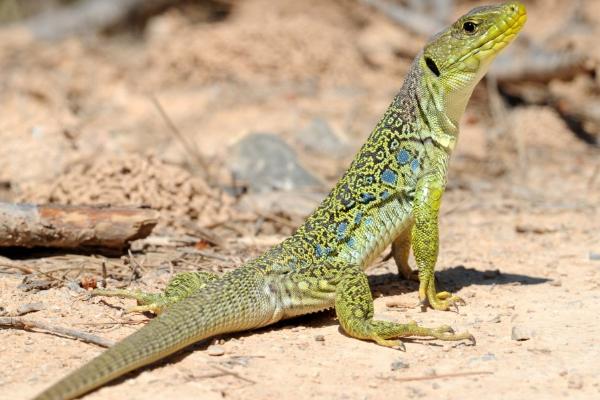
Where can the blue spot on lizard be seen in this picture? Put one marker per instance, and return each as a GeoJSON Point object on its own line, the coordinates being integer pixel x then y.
{"type": "Point", "coordinates": [403, 157]}
{"type": "Point", "coordinates": [414, 165]}
{"type": "Point", "coordinates": [366, 197]}
{"type": "Point", "coordinates": [358, 217]}
{"type": "Point", "coordinates": [388, 176]}
{"type": "Point", "coordinates": [341, 230]}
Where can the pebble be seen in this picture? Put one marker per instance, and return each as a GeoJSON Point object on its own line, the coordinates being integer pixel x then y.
{"type": "Point", "coordinates": [594, 256]}
{"type": "Point", "coordinates": [319, 338]}
{"type": "Point", "coordinates": [74, 286]}
{"type": "Point", "coordinates": [215, 350]}
{"type": "Point", "coordinates": [398, 364]}
{"type": "Point", "coordinates": [497, 319]}
{"type": "Point", "coordinates": [575, 381]}
{"type": "Point", "coordinates": [521, 333]}
{"type": "Point", "coordinates": [488, 357]}
{"type": "Point", "coordinates": [556, 283]}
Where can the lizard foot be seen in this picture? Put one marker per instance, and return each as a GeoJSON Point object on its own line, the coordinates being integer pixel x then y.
{"type": "Point", "coordinates": [145, 301]}
{"type": "Point", "coordinates": [383, 332]}
{"type": "Point", "coordinates": [442, 301]}
{"type": "Point", "coordinates": [178, 288]}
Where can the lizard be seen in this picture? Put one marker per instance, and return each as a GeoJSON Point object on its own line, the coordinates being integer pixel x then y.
{"type": "Point", "coordinates": [390, 194]}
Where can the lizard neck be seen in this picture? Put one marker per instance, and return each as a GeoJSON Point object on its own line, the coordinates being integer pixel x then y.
{"type": "Point", "coordinates": [439, 111]}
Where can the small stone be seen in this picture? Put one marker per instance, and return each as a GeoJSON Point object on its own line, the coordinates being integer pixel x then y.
{"type": "Point", "coordinates": [398, 364]}
{"type": "Point", "coordinates": [575, 381]}
{"type": "Point", "coordinates": [484, 358]}
{"type": "Point", "coordinates": [28, 341]}
{"type": "Point", "coordinates": [521, 333]}
{"type": "Point", "coordinates": [74, 286]}
{"type": "Point", "coordinates": [556, 282]}
{"type": "Point", "coordinates": [594, 256]}
{"type": "Point", "coordinates": [319, 338]}
{"type": "Point", "coordinates": [215, 350]}
{"type": "Point", "coordinates": [496, 319]}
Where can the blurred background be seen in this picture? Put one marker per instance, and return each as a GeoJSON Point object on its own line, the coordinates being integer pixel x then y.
{"type": "Point", "coordinates": [233, 118]}
{"type": "Point", "coordinates": [212, 87]}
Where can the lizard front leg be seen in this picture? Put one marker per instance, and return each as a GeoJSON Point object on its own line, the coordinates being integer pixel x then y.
{"type": "Point", "coordinates": [179, 287]}
{"type": "Point", "coordinates": [354, 308]}
{"type": "Point", "coordinates": [425, 242]}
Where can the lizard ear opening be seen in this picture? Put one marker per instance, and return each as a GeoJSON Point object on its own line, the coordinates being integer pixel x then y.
{"type": "Point", "coordinates": [432, 66]}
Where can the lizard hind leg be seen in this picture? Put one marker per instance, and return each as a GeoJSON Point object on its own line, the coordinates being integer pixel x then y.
{"type": "Point", "coordinates": [178, 288]}
{"type": "Point", "coordinates": [354, 308]}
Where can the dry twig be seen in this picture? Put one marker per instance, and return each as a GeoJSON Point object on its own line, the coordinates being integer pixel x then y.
{"type": "Point", "coordinates": [440, 376]}
{"type": "Point", "coordinates": [188, 144]}
{"type": "Point", "coordinates": [29, 325]}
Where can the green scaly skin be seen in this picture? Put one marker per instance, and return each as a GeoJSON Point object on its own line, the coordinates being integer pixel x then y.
{"type": "Point", "coordinates": [390, 194]}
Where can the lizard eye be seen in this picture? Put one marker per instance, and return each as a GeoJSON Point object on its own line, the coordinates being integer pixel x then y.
{"type": "Point", "coordinates": [470, 27]}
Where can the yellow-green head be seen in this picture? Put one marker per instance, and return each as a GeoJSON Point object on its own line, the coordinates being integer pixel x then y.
{"type": "Point", "coordinates": [457, 58]}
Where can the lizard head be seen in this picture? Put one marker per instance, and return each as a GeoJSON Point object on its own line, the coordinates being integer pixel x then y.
{"type": "Point", "coordinates": [458, 57]}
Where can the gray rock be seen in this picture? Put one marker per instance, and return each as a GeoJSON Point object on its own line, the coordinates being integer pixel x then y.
{"type": "Point", "coordinates": [296, 203]}
{"type": "Point", "coordinates": [318, 137]}
{"type": "Point", "coordinates": [484, 358]}
{"type": "Point", "coordinates": [74, 286]}
{"type": "Point", "coordinates": [521, 333]}
{"type": "Point", "coordinates": [398, 364]}
{"type": "Point", "coordinates": [263, 162]}
{"type": "Point", "coordinates": [594, 256]}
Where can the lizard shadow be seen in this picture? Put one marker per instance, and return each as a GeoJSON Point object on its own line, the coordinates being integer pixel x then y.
{"type": "Point", "coordinates": [451, 279]}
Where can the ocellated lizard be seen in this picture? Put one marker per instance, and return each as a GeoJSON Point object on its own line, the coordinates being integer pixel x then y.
{"type": "Point", "coordinates": [391, 194]}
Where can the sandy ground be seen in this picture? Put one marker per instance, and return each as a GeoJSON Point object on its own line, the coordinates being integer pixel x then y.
{"type": "Point", "coordinates": [521, 246]}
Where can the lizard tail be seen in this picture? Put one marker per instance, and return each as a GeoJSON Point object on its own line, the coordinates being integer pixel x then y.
{"type": "Point", "coordinates": [237, 302]}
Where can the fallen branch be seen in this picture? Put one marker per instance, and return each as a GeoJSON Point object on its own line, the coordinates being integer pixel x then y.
{"type": "Point", "coordinates": [29, 325]}
{"type": "Point", "coordinates": [28, 225]}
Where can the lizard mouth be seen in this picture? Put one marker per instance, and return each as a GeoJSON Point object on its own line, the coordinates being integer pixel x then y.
{"type": "Point", "coordinates": [500, 34]}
